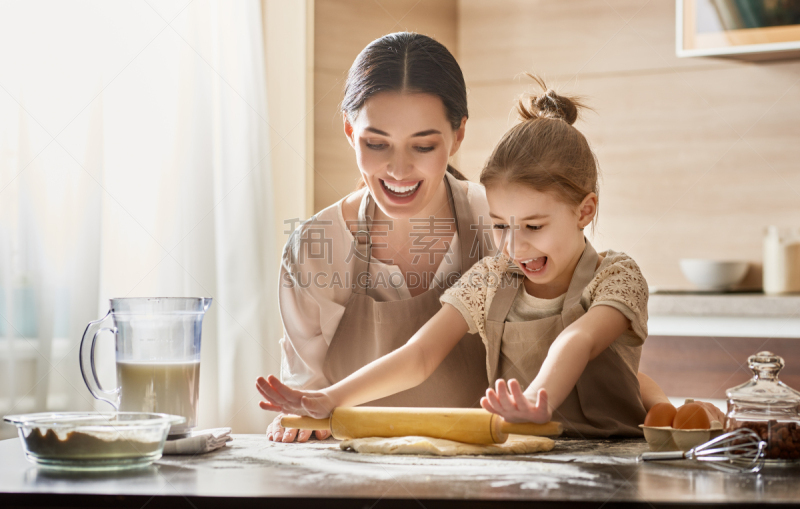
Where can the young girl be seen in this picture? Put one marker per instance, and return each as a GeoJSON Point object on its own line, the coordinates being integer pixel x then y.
{"type": "Point", "coordinates": [558, 319]}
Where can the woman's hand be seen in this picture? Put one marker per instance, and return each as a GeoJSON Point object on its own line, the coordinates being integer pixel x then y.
{"type": "Point", "coordinates": [508, 401]}
{"type": "Point", "coordinates": [281, 398]}
{"type": "Point", "coordinates": [276, 432]}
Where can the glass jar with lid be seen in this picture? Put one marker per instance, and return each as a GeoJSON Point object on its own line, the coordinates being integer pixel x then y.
{"type": "Point", "coordinates": [767, 406]}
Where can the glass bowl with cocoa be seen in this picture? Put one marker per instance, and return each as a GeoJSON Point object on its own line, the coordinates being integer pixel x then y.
{"type": "Point", "coordinates": [93, 440]}
{"type": "Point", "coordinates": [769, 407]}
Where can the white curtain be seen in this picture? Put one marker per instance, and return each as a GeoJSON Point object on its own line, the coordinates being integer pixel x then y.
{"type": "Point", "coordinates": [134, 161]}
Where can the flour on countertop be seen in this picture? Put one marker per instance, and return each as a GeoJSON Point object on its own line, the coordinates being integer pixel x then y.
{"type": "Point", "coordinates": [323, 461]}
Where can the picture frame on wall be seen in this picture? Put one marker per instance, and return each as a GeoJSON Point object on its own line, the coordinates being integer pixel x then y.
{"type": "Point", "coordinates": [742, 29]}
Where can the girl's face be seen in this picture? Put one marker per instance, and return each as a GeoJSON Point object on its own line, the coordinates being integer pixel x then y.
{"type": "Point", "coordinates": [402, 143]}
{"type": "Point", "coordinates": [541, 233]}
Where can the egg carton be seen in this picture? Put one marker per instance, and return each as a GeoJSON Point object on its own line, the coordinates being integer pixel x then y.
{"type": "Point", "coordinates": [667, 438]}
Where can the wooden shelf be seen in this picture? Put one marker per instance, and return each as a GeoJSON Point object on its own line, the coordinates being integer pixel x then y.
{"type": "Point", "coordinates": [724, 315]}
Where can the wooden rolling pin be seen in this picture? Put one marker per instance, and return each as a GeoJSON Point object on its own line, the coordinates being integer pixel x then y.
{"type": "Point", "coordinates": [468, 425]}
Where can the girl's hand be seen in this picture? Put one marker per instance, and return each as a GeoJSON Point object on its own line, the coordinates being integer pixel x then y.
{"type": "Point", "coordinates": [282, 398]}
{"type": "Point", "coordinates": [276, 432]}
{"type": "Point", "coordinates": [508, 401]}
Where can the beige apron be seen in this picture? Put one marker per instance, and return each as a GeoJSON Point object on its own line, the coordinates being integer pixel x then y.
{"type": "Point", "coordinates": [370, 329]}
{"type": "Point", "coordinates": [606, 400]}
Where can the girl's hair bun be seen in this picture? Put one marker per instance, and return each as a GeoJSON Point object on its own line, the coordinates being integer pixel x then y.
{"type": "Point", "coordinates": [549, 105]}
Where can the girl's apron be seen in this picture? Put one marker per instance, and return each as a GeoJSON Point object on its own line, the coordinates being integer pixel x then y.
{"type": "Point", "coordinates": [606, 399]}
{"type": "Point", "coordinates": [370, 329]}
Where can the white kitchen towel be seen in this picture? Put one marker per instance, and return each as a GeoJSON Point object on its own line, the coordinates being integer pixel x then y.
{"type": "Point", "coordinates": [199, 442]}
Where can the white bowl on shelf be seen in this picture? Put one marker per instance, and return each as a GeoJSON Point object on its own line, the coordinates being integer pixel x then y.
{"type": "Point", "coordinates": [713, 275]}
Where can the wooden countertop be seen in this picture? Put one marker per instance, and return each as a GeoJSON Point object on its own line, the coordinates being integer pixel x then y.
{"type": "Point", "coordinates": [253, 472]}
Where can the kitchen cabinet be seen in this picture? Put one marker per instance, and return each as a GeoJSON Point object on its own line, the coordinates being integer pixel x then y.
{"type": "Point", "coordinates": [698, 344]}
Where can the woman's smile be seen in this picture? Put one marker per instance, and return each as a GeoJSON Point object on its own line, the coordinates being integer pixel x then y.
{"type": "Point", "coordinates": [401, 192]}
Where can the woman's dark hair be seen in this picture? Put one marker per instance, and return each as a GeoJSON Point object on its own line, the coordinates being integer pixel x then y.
{"type": "Point", "coordinates": [407, 62]}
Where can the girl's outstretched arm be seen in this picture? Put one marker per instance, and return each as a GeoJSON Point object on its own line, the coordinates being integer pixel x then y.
{"type": "Point", "coordinates": [651, 391]}
{"type": "Point", "coordinates": [406, 367]}
{"type": "Point", "coordinates": [568, 356]}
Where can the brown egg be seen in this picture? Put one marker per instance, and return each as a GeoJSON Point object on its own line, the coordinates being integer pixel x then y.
{"type": "Point", "coordinates": [661, 414]}
{"type": "Point", "coordinates": [691, 416]}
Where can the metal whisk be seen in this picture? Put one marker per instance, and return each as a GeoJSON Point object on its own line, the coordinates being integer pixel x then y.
{"type": "Point", "coordinates": [739, 451]}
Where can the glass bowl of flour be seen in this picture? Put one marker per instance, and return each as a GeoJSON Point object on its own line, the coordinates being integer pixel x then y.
{"type": "Point", "coordinates": [93, 440]}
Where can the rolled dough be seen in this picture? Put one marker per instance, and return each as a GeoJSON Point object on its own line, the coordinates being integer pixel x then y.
{"type": "Point", "coordinates": [516, 444]}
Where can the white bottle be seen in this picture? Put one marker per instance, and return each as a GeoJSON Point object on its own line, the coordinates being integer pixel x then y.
{"type": "Point", "coordinates": [781, 262]}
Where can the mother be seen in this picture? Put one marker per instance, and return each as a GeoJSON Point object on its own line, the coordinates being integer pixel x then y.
{"type": "Point", "coordinates": [363, 275]}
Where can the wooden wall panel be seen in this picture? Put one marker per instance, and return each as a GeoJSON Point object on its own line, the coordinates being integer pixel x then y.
{"type": "Point", "coordinates": [342, 29]}
{"type": "Point", "coordinates": [502, 38]}
{"type": "Point", "coordinates": [698, 155]}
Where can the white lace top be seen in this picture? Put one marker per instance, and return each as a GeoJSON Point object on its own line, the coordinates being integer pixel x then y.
{"type": "Point", "coordinates": [618, 282]}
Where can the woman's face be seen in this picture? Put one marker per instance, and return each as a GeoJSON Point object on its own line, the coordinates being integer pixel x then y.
{"type": "Point", "coordinates": [402, 143]}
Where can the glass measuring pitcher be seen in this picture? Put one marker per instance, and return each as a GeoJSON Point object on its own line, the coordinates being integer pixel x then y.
{"type": "Point", "coordinates": [157, 356]}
